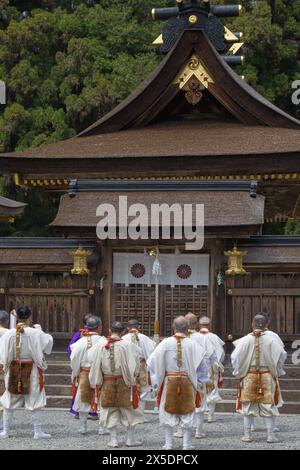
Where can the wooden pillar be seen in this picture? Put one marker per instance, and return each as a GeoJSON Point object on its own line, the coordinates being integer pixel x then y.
{"type": "Point", "coordinates": [107, 266]}
{"type": "Point", "coordinates": [214, 290]}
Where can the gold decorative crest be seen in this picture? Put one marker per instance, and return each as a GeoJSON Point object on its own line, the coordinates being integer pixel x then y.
{"type": "Point", "coordinates": [194, 68]}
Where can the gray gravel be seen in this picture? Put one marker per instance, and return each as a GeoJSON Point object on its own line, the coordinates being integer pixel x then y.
{"type": "Point", "coordinates": [224, 434]}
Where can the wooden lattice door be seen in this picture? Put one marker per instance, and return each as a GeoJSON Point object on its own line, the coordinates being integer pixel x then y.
{"type": "Point", "coordinates": [138, 301]}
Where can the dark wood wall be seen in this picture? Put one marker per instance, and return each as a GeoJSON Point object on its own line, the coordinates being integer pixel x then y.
{"type": "Point", "coordinates": [276, 292]}
{"type": "Point", "coordinates": [58, 300]}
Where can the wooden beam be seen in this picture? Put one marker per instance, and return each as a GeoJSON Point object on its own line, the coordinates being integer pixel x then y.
{"type": "Point", "coordinates": [264, 292]}
{"type": "Point", "coordinates": [46, 291]}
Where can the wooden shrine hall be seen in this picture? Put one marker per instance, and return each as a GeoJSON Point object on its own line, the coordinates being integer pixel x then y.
{"type": "Point", "coordinates": [193, 132]}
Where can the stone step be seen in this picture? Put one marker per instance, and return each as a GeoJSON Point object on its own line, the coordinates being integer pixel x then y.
{"type": "Point", "coordinates": [58, 356]}
{"type": "Point", "coordinates": [59, 368]}
{"type": "Point", "coordinates": [58, 390]}
{"type": "Point", "coordinates": [57, 379]}
{"type": "Point", "coordinates": [58, 401]}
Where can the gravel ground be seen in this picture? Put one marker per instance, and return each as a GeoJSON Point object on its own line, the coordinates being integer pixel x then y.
{"type": "Point", "coordinates": [224, 434]}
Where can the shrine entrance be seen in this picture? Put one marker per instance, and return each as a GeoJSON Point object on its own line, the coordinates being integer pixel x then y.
{"type": "Point", "coordinates": [135, 296]}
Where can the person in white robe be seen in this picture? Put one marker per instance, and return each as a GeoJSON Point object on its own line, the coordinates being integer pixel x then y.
{"type": "Point", "coordinates": [281, 343]}
{"type": "Point", "coordinates": [212, 390]}
{"type": "Point", "coordinates": [84, 401]}
{"type": "Point", "coordinates": [22, 351]}
{"type": "Point", "coordinates": [177, 367]}
{"type": "Point", "coordinates": [204, 341]}
{"type": "Point", "coordinates": [13, 319]}
{"type": "Point", "coordinates": [146, 347]}
{"type": "Point", "coordinates": [4, 322]}
{"type": "Point", "coordinates": [258, 361]}
{"type": "Point", "coordinates": [114, 370]}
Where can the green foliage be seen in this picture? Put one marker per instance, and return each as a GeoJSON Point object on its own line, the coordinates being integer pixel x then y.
{"type": "Point", "coordinates": [272, 37]}
{"type": "Point", "coordinates": [292, 227]}
{"type": "Point", "coordinates": [72, 62]}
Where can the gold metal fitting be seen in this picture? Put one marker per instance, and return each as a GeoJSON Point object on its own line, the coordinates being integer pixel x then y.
{"type": "Point", "coordinates": [193, 19]}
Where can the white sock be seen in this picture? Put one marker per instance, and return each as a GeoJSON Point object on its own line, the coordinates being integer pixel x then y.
{"type": "Point", "coordinates": [187, 436]}
{"type": "Point", "coordinates": [269, 424]}
{"type": "Point", "coordinates": [168, 437]}
{"type": "Point", "coordinates": [7, 420]}
{"type": "Point", "coordinates": [200, 423]}
{"type": "Point", "coordinates": [142, 405]}
{"type": "Point", "coordinates": [212, 407]}
{"type": "Point", "coordinates": [83, 417]}
{"type": "Point", "coordinates": [247, 424]}
{"type": "Point", "coordinates": [113, 437]}
{"type": "Point", "coordinates": [37, 425]}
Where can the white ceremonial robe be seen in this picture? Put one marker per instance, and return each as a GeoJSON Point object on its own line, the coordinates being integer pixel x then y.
{"type": "Point", "coordinates": [79, 360]}
{"type": "Point", "coordinates": [146, 347]}
{"type": "Point", "coordinates": [2, 333]}
{"type": "Point", "coordinates": [272, 358]}
{"type": "Point", "coordinates": [33, 345]}
{"type": "Point", "coordinates": [164, 360]}
{"type": "Point", "coordinates": [217, 344]}
{"type": "Point", "coordinates": [127, 364]}
{"type": "Point", "coordinates": [204, 342]}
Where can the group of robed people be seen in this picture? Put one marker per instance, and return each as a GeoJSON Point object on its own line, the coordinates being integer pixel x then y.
{"type": "Point", "coordinates": [114, 377]}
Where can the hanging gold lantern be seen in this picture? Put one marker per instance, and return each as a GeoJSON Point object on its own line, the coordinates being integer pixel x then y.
{"type": "Point", "coordinates": [80, 257]}
{"type": "Point", "coordinates": [235, 262]}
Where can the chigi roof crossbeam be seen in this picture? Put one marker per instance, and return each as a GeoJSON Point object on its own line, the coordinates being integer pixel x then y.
{"type": "Point", "coordinates": [200, 14]}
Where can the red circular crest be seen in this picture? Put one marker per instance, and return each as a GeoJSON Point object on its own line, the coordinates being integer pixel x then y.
{"type": "Point", "coordinates": [184, 271]}
{"type": "Point", "coordinates": [138, 270]}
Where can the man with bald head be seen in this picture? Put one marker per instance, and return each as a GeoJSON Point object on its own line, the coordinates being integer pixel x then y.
{"type": "Point", "coordinates": [258, 361]}
{"type": "Point", "coordinates": [83, 395]}
{"type": "Point", "coordinates": [177, 365]}
{"type": "Point", "coordinates": [115, 366]}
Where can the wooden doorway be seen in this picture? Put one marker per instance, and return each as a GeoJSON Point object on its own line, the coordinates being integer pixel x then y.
{"type": "Point", "coordinates": [138, 301]}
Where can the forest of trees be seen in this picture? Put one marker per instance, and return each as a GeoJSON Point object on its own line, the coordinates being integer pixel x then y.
{"type": "Point", "coordinates": [66, 63]}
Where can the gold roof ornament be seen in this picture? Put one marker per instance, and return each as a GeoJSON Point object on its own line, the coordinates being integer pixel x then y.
{"type": "Point", "coordinates": [80, 257]}
{"type": "Point", "coordinates": [193, 68]}
{"type": "Point", "coordinates": [235, 262]}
